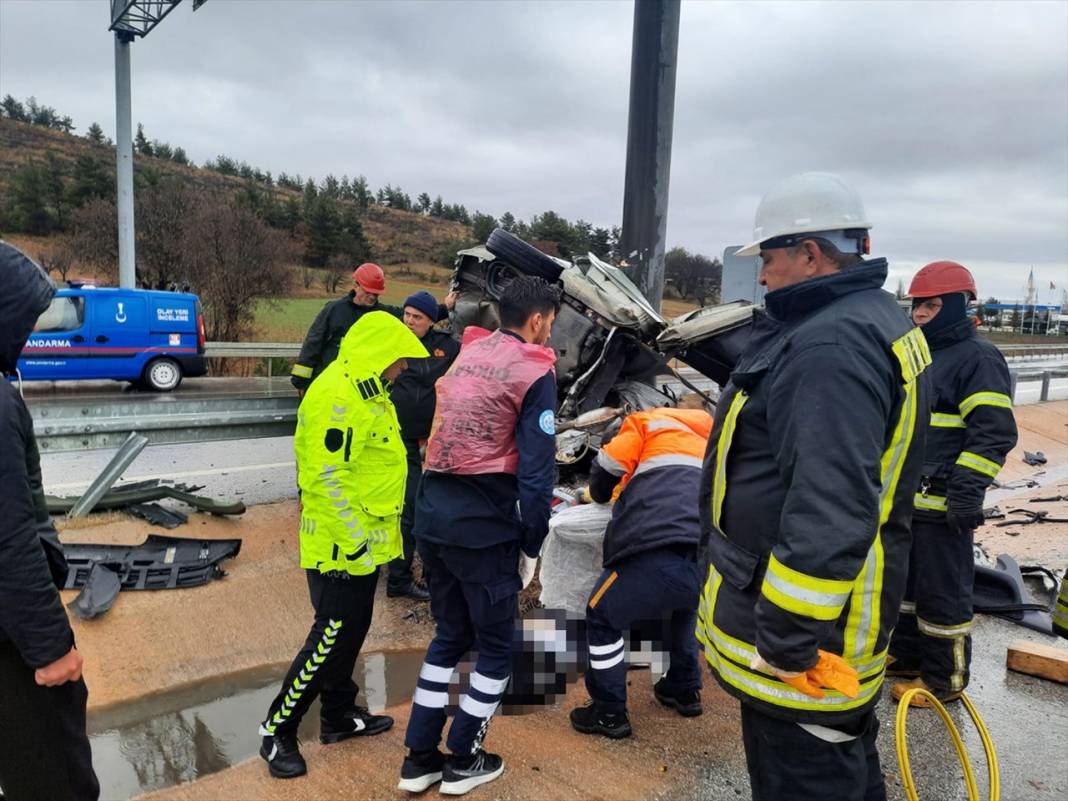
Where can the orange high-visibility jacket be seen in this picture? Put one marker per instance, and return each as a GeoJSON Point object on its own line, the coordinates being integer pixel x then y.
{"type": "Point", "coordinates": [657, 458]}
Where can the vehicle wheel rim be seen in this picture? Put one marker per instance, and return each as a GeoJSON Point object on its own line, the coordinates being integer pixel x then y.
{"type": "Point", "coordinates": [164, 375]}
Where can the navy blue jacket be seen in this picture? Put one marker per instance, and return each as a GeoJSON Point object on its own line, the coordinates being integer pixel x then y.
{"type": "Point", "coordinates": [972, 426]}
{"type": "Point", "coordinates": [476, 511]}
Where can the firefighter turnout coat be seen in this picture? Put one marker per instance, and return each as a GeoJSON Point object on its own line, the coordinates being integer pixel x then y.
{"type": "Point", "coordinates": [972, 426]}
{"type": "Point", "coordinates": [806, 493]}
{"type": "Point", "coordinates": [351, 461]}
{"type": "Point", "coordinates": [323, 339]}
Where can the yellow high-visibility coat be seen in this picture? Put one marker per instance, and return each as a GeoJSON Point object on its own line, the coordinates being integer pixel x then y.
{"type": "Point", "coordinates": [351, 463]}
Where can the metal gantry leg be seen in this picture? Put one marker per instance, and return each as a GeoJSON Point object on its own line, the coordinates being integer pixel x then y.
{"type": "Point", "coordinates": [654, 56]}
{"type": "Point", "coordinates": [124, 198]}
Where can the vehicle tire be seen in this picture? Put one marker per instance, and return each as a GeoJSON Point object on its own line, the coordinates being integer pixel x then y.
{"type": "Point", "coordinates": [518, 253]}
{"type": "Point", "coordinates": [162, 375]}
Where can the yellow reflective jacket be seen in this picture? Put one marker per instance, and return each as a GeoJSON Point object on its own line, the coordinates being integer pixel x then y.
{"type": "Point", "coordinates": [351, 463]}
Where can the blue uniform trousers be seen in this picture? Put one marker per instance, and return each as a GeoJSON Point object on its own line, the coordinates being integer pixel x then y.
{"type": "Point", "coordinates": [660, 586]}
{"type": "Point", "coordinates": [474, 600]}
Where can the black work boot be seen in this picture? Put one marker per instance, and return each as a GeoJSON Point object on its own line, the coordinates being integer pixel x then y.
{"type": "Point", "coordinates": [282, 754]}
{"type": "Point", "coordinates": [464, 773]}
{"type": "Point", "coordinates": [686, 702]}
{"type": "Point", "coordinates": [591, 720]}
{"type": "Point", "coordinates": [412, 590]}
{"type": "Point", "coordinates": [421, 770]}
{"type": "Point", "coordinates": [360, 723]}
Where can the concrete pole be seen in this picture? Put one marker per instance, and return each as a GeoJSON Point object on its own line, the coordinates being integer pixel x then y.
{"type": "Point", "coordinates": [654, 55]}
{"type": "Point", "coordinates": [124, 198]}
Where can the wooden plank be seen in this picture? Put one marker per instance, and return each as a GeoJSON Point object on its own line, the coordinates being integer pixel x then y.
{"type": "Point", "coordinates": [1036, 659]}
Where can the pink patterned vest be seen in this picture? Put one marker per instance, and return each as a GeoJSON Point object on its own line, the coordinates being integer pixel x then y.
{"type": "Point", "coordinates": [479, 401]}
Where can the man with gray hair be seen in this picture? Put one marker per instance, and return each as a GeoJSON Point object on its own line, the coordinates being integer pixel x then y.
{"type": "Point", "coordinates": [806, 498]}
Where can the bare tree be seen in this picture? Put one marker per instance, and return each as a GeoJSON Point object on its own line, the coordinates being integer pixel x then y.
{"type": "Point", "coordinates": [164, 214]}
{"type": "Point", "coordinates": [234, 260]}
{"type": "Point", "coordinates": [57, 257]}
{"type": "Point", "coordinates": [337, 267]}
{"type": "Point", "coordinates": [94, 238]}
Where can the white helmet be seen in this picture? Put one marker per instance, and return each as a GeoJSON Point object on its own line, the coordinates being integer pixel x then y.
{"type": "Point", "coordinates": [810, 203]}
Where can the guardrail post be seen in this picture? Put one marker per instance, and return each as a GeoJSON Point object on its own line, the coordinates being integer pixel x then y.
{"type": "Point", "coordinates": [1012, 385]}
{"type": "Point", "coordinates": [128, 451]}
{"type": "Point", "coordinates": [1044, 395]}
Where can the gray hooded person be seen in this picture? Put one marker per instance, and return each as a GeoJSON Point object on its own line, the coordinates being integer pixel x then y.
{"type": "Point", "coordinates": [45, 752]}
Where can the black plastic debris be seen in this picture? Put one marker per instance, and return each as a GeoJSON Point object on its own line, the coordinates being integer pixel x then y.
{"type": "Point", "coordinates": [147, 491]}
{"type": "Point", "coordinates": [1050, 499]}
{"type": "Point", "coordinates": [993, 513]}
{"type": "Point", "coordinates": [1000, 591]}
{"type": "Point", "coordinates": [1035, 458]}
{"type": "Point", "coordinates": [1031, 516]}
{"type": "Point", "coordinates": [159, 563]}
{"type": "Point", "coordinates": [156, 514]}
{"type": "Point", "coordinates": [99, 592]}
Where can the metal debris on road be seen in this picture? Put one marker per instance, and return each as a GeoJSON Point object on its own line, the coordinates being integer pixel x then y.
{"type": "Point", "coordinates": [154, 513]}
{"type": "Point", "coordinates": [1031, 516]}
{"type": "Point", "coordinates": [146, 491]}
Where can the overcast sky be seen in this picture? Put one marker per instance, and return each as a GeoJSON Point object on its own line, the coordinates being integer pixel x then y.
{"type": "Point", "coordinates": [950, 118]}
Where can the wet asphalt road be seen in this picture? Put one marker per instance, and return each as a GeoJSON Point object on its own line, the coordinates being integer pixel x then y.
{"type": "Point", "coordinates": [1027, 718]}
{"type": "Point", "coordinates": [252, 470]}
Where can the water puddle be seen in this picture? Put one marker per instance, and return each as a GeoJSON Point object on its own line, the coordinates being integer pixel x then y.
{"type": "Point", "coordinates": [179, 736]}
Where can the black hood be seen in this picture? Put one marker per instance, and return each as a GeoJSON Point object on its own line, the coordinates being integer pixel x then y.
{"type": "Point", "coordinates": [25, 292]}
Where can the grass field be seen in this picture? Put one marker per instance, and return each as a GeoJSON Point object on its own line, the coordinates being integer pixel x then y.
{"type": "Point", "coordinates": [288, 319]}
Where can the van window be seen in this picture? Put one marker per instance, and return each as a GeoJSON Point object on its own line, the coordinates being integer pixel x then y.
{"type": "Point", "coordinates": [62, 314]}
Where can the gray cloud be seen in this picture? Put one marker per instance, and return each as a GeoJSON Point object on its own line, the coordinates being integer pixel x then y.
{"type": "Point", "coordinates": [950, 118]}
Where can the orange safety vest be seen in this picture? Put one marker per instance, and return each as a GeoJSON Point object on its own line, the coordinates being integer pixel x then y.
{"type": "Point", "coordinates": [656, 438]}
{"type": "Point", "coordinates": [479, 400]}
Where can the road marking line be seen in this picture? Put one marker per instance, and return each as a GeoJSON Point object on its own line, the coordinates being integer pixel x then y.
{"type": "Point", "coordinates": [214, 471]}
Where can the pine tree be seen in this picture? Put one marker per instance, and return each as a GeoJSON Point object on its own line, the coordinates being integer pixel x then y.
{"type": "Point", "coordinates": [141, 143]}
{"type": "Point", "coordinates": [95, 134]}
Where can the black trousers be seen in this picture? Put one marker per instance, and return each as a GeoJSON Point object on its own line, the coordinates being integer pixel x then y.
{"type": "Point", "coordinates": [44, 750]}
{"type": "Point", "coordinates": [400, 569]}
{"type": "Point", "coordinates": [789, 763]}
{"type": "Point", "coordinates": [323, 667]}
{"type": "Point", "coordinates": [932, 633]}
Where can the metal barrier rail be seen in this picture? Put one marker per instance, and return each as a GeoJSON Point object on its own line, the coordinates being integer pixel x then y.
{"type": "Point", "coordinates": [71, 424]}
{"type": "Point", "coordinates": [104, 423]}
{"type": "Point", "coordinates": [1045, 376]}
{"type": "Point", "coordinates": [1032, 350]}
{"type": "Point", "coordinates": [290, 350]}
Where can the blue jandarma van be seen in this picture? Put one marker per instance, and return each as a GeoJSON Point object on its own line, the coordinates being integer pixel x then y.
{"type": "Point", "coordinates": [150, 338]}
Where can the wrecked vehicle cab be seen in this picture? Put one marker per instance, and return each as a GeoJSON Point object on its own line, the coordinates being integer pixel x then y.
{"type": "Point", "coordinates": [611, 345]}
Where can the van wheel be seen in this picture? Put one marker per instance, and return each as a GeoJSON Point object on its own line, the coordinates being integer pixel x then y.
{"type": "Point", "coordinates": [162, 375]}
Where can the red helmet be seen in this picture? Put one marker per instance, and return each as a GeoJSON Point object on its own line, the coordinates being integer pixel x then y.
{"type": "Point", "coordinates": [941, 278]}
{"type": "Point", "coordinates": [370, 278]}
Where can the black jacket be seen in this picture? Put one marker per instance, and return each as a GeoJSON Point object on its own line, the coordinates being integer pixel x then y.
{"type": "Point", "coordinates": [806, 496]}
{"type": "Point", "coordinates": [31, 614]}
{"type": "Point", "coordinates": [327, 330]}
{"type": "Point", "coordinates": [413, 391]}
{"type": "Point", "coordinates": [972, 426]}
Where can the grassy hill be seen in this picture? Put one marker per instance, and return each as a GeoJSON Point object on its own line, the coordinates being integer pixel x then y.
{"type": "Point", "coordinates": [397, 237]}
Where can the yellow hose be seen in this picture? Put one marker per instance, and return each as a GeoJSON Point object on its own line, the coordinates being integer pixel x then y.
{"type": "Point", "coordinates": [901, 738]}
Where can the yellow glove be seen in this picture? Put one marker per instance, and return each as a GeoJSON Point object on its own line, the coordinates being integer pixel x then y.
{"type": "Point", "coordinates": [831, 672]}
{"type": "Point", "coordinates": [582, 495]}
